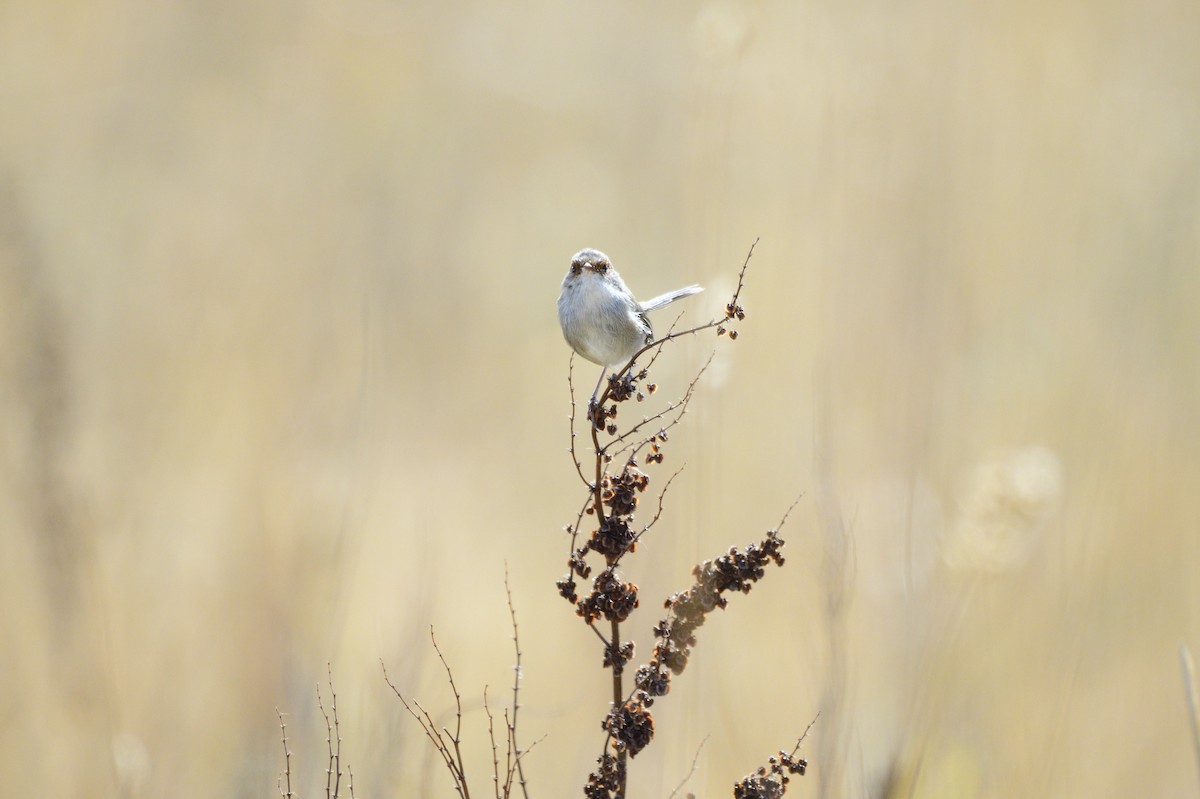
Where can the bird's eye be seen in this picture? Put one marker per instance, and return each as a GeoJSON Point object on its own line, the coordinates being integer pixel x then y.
{"type": "Point", "coordinates": [602, 267]}
{"type": "Point", "coordinates": [575, 269]}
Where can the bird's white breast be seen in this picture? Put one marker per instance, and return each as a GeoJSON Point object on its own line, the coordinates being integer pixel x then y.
{"type": "Point", "coordinates": [600, 323]}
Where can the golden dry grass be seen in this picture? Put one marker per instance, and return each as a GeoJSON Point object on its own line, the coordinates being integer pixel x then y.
{"type": "Point", "coordinates": [281, 383]}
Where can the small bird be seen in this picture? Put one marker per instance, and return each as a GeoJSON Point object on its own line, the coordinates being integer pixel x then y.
{"type": "Point", "coordinates": [600, 318]}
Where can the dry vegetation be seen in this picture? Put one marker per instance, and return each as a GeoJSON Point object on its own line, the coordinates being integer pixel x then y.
{"type": "Point", "coordinates": [281, 383]}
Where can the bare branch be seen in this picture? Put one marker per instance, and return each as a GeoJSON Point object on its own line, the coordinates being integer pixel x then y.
{"type": "Point", "coordinates": [571, 391]}
{"type": "Point", "coordinates": [657, 352]}
{"type": "Point", "coordinates": [287, 761]}
{"type": "Point", "coordinates": [337, 733]}
{"type": "Point", "coordinates": [681, 404]}
{"type": "Point", "coordinates": [574, 529]}
{"type": "Point", "coordinates": [456, 738]}
{"type": "Point", "coordinates": [440, 742]}
{"type": "Point", "coordinates": [518, 760]}
{"type": "Point", "coordinates": [492, 738]}
{"type": "Point", "coordinates": [333, 740]}
{"type": "Point", "coordinates": [661, 495]}
{"type": "Point", "coordinates": [783, 521]}
{"type": "Point", "coordinates": [658, 343]}
{"type": "Point", "coordinates": [430, 729]}
{"type": "Point", "coordinates": [691, 771]}
{"type": "Point", "coordinates": [651, 523]}
{"type": "Point", "coordinates": [516, 705]}
{"type": "Point", "coordinates": [599, 634]}
{"type": "Point", "coordinates": [742, 273]}
{"type": "Point", "coordinates": [796, 748]}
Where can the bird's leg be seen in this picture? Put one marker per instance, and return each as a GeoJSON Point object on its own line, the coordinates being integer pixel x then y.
{"type": "Point", "coordinates": [596, 390]}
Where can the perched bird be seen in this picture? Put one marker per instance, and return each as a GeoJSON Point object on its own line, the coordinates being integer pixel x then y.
{"type": "Point", "coordinates": [600, 318]}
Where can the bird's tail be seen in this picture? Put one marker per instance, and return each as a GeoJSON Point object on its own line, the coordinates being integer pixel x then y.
{"type": "Point", "coordinates": [670, 297]}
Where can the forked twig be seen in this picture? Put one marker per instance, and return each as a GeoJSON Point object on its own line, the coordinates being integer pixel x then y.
{"type": "Point", "coordinates": [456, 738]}
{"type": "Point", "coordinates": [451, 759]}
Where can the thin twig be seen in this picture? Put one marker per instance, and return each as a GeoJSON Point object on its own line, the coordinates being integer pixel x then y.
{"type": "Point", "coordinates": [742, 273]}
{"type": "Point", "coordinates": [660, 342]}
{"type": "Point", "coordinates": [661, 495]}
{"type": "Point", "coordinates": [337, 733]}
{"type": "Point", "coordinates": [691, 771]}
{"type": "Point", "coordinates": [649, 524]}
{"type": "Point", "coordinates": [512, 726]}
{"type": "Point", "coordinates": [430, 729]}
{"type": "Point", "coordinates": [796, 748]}
{"type": "Point", "coordinates": [492, 738]}
{"type": "Point", "coordinates": [592, 626]}
{"type": "Point", "coordinates": [530, 748]}
{"type": "Point", "coordinates": [571, 391]}
{"type": "Point", "coordinates": [783, 521]}
{"type": "Point", "coordinates": [456, 739]}
{"type": "Point", "coordinates": [440, 743]}
{"type": "Point", "coordinates": [328, 743]}
{"type": "Point", "coordinates": [670, 330]}
{"type": "Point", "coordinates": [333, 740]}
{"type": "Point", "coordinates": [681, 404]}
{"type": "Point", "coordinates": [615, 378]}
{"type": "Point", "coordinates": [574, 529]}
{"type": "Point", "coordinates": [287, 761]}
{"type": "Point", "coordinates": [510, 761]}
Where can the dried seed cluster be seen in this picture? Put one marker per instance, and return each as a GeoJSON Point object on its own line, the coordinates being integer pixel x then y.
{"type": "Point", "coordinates": [631, 726]}
{"type": "Point", "coordinates": [770, 782]}
{"type": "Point", "coordinates": [732, 311]}
{"type": "Point", "coordinates": [620, 388]}
{"type": "Point", "coordinates": [620, 493]}
{"type": "Point", "coordinates": [733, 571]}
{"type": "Point", "coordinates": [618, 656]}
{"type": "Point", "coordinates": [611, 598]}
{"type": "Point", "coordinates": [612, 538]}
{"type": "Point", "coordinates": [608, 780]}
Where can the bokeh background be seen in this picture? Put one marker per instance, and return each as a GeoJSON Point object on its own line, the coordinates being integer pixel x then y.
{"type": "Point", "coordinates": [282, 385]}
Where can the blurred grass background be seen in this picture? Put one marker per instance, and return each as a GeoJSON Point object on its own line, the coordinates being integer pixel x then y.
{"type": "Point", "coordinates": [282, 384]}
